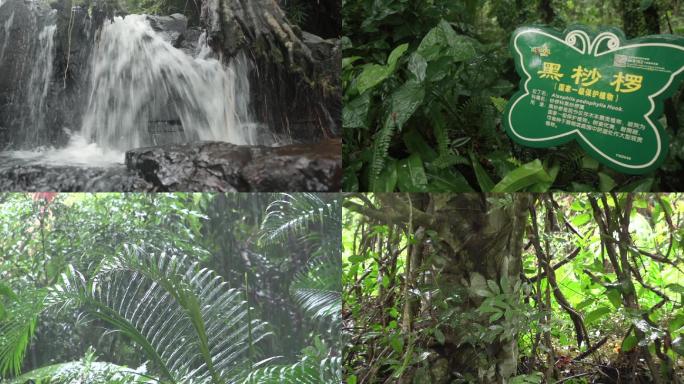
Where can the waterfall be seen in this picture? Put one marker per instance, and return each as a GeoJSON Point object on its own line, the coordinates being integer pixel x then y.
{"type": "Point", "coordinates": [6, 33]}
{"type": "Point", "coordinates": [144, 90]}
{"type": "Point", "coordinates": [39, 83]}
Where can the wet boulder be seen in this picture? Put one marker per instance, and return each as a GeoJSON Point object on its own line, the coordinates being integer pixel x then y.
{"type": "Point", "coordinates": [218, 166]}
{"type": "Point", "coordinates": [172, 28]}
{"type": "Point", "coordinates": [42, 178]}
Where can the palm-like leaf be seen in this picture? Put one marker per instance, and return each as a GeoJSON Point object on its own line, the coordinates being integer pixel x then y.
{"type": "Point", "coordinates": [185, 318]}
{"type": "Point", "coordinates": [294, 214]}
{"type": "Point", "coordinates": [84, 372]}
{"type": "Point", "coordinates": [17, 329]}
{"type": "Point", "coordinates": [317, 289]}
{"type": "Point", "coordinates": [315, 367]}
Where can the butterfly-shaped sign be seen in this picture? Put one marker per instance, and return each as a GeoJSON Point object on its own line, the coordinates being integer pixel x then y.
{"type": "Point", "coordinates": [599, 89]}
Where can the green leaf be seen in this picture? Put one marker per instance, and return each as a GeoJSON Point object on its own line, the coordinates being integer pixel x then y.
{"type": "Point", "coordinates": [355, 112]}
{"type": "Point", "coordinates": [486, 183]}
{"type": "Point", "coordinates": [645, 4]}
{"type": "Point", "coordinates": [444, 180]}
{"type": "Point", "coordinates": [6, 291]}
{"type": "Point", "coordinates": [404, 102]}
{"type": "Point", "coordinates": [396, 342]}
{"type": "Point", "coordinates": [523, 177]}
{"type": "Point", "coordinates": [596, 314]}
{"type": "Point", "coordinates": [478, 285]}
{"type": "Point", "coordinates": [371, 76]}
{"type": "Point", "coordinates": [439, 336]}
{"type": "Point", "coordinates": [629, 343]}
{"type": "Point", "coordinates": [374, 74]}
{"type": "Point", "coordinates": [643, 185]}
{"type": "Point", "coordinates": [675, 287]}
{"type": "Point", "coordinates": [386, 181]}
{"type": "Point", "coordinates": [348, 61]}
{"type": "Point", "coordinates": [678, 345]}
{"type": "Point", "coordinates": [580, 220]}
{"type": "Point", "coordinates": [417, 65]}
{"type": "Point", "coordinates": [494, 287]}
{"type": "Point", "coordinates": [614, 297]}
{"type": "Point", "coordinates": [676, 323]}
{"type": "Point", "coordinates": [411, 174]}
{"type": "Point", "coordinates": [499, 103]}
{"type": "Point", "coordinates": [356, 258]}
{"type": "Point", "coordinates": [396, 54]}
{"type": "Point", "coordinates": [442, 40]}
{"type": "Point", "coordinates": [415, 143]}
{"type": "Point", "coordinates": [606, 183]}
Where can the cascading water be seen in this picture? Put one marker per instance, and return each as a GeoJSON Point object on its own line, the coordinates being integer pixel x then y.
{"type": "Point", "coordinates": [143, 86]}
{"type": "Point", "coordinates": [78, 100]}
{"type": "Point", "coordinates": [6, 34]}
{"type": "Point", "coordinates": [39, 83]}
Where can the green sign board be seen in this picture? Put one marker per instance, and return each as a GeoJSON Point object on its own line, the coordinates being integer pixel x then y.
{"type": "Point", "coordinates": [599, 89]}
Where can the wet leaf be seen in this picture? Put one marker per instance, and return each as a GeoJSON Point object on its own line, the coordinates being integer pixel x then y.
{"type": "Point", "coordinates": [523, 177]}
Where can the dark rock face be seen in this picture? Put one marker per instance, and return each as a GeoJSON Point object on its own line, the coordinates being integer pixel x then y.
{"type": "Point", "coordinates": [20, 25]}
{"type": "Point", "coordinates": [189, 40]}
{"type": "Point", "coordinates": [39, 178]}
{"type": "Point", "coordinates": [324, 17]}
{"type": "Point", "coordinates": [69, 91]}
{"type": "Point", "coordinates": [290, 65]}
{"type": "Point", "coordinates": [171, 27]}
{"type": "Point", "coordinates": [215, 166]}
{"type": "Point", "coordinates": [202, 166]}
{"type": "Point", "coordinates": [295, 91]}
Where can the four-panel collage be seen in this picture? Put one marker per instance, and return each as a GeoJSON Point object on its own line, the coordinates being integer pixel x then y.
{"type": "Point", "coordinates": [341, 191]}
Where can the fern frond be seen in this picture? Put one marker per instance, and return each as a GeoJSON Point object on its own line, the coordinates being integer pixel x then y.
{"type": "Point", "coordinates": [447, 154]}
{"type": "Point", "coordinates": [499, 103]}
{"type": "Point", "coordinates": [381, 145]}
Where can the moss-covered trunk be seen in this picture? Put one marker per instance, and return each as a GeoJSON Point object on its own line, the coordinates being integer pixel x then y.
{"type": "Point", "coordinates": [472, 246]}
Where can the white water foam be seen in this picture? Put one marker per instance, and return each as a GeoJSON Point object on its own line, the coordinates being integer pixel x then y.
{"type": "Point", "coordinates": [140, 81]}
{"type": "Point", "coordinates": [77, 152]}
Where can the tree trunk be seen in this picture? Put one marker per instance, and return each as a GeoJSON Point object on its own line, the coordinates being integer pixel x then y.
{"type": "Point", "coordinates": [476, 243]}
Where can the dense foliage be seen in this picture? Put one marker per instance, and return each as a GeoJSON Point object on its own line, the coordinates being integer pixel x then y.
{"type": "Point", "coordinates": [188, 288]}
{"type": "Point", "coordinates": [426, 82]}
{"type": "Point", "coordinates": [599, 297]}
